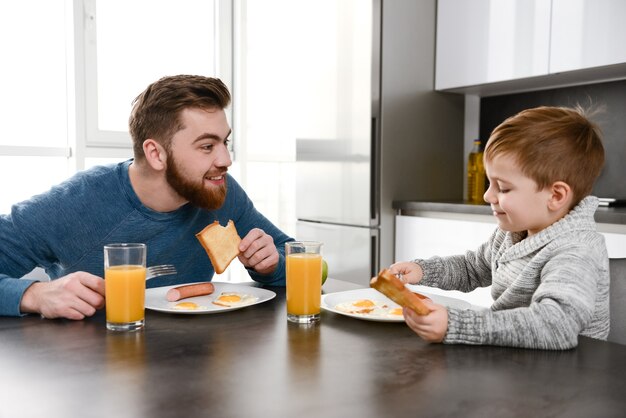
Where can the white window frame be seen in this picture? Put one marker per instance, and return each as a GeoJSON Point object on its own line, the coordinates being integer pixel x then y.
{"type": "Point", "coordinates": [97, 141]}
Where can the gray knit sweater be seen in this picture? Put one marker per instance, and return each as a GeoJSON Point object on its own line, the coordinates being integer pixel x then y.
{"type": "Point", "coordinates": [547, 289]}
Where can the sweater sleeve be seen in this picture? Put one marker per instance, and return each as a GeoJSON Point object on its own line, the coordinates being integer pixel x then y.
{"type": "Point", "coordinates": [19, 254]}
{"type": "Point", "coordinates": [459, 272]}
{"type": "Point", "coordinates": [560, 308]}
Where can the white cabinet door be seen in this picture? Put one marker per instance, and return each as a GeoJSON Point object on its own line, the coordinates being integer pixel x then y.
{"type": "Point", "coordinates": [421, 237]}
{"type": "Point", "coordinates": [484, 41]}
{"type": "Point", "coordinates": [587, 33]}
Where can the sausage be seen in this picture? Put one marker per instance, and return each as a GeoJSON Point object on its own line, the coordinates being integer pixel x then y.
{"type": "Point", "coordinates": [189, 290]}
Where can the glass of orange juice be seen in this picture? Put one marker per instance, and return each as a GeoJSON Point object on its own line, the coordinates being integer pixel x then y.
{"type": "Point", "coordinates": [125, 286]}
{"type": "Point", "coordinates": [304, 281]}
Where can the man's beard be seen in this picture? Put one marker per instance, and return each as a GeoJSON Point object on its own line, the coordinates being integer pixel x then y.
{"type": "Point", "coordinates": [195, 192]}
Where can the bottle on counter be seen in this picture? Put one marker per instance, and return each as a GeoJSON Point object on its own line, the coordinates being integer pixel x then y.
{"type": "Point", "coordinates": [476, 175]}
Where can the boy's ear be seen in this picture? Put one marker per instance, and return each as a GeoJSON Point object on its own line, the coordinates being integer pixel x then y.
{"type": "Point", "coordinates": [155, 154]}
{"type": "Point", "coordinates": [561, 196]}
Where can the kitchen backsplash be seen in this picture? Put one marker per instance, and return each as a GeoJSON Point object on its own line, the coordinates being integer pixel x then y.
{"type": "Point", "coordinates": [611, 96]}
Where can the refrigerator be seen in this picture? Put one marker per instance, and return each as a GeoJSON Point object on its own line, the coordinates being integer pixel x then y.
{"type": "Point", "coordinates": [370, 126]}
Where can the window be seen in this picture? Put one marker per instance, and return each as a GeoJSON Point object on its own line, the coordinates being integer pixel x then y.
{"type": "Point", "coordinates": [288, 87]}
{"type": "Point", "coordinates": [71, 69]}
{"type": "Point", "coordinates": [265, 105]}
{"type": "Point", "coordinates": [129, 44]}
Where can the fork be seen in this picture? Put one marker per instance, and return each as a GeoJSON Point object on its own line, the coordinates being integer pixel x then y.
{"type": "Point", "coordinates": [161, 270]}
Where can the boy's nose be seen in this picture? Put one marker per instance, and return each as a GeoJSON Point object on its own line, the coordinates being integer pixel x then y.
{"type": "Point", "coordinates": [489, 195]}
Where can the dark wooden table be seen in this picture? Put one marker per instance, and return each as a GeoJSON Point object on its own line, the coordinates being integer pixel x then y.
{"type": "Point", "coordinates": [253, 363]}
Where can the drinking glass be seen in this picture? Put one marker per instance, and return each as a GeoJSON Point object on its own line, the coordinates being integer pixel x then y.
{"type": "Point", "coordinates": [304, 281]}
{"type": "Point", "coordinates": [125, 286]}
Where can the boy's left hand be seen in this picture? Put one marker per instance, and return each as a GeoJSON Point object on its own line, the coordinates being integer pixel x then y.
{"type": "Point", "coordinates": [431, 327]}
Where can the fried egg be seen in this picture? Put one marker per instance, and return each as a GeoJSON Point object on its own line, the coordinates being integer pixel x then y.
{"type": "Point", "coordinates": [367, 307]}
{"type": "Point", "coordinates": [188, 306]}
{"type": "Point", "coordinates": [395, 313]}
{"type": "Point", "coordinates": [361, 306]}
{"type": "Point", "coordinates": [234, 299]}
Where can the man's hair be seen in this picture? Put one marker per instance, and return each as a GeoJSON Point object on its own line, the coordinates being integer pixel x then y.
{"type": "Point", "coordinates": [552, 144]}
{"type": "Point", "coordinates": [156, 111]}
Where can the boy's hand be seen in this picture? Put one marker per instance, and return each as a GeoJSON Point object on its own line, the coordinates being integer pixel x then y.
{"type": "Point", "coordinates": [431, 327]}
{"type": "Point", "coordinates": [407, 271]}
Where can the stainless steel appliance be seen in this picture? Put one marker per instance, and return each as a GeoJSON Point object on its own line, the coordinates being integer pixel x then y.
{"type": "Point", "coordinates": [369, 129]}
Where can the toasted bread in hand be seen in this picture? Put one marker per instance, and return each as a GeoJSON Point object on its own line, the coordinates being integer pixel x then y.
{"type": "Point", "coordinates": [389, 285]}
{"type": "Point", "coordinates": [221, 244]}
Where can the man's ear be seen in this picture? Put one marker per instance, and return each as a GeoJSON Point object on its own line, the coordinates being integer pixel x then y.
{"type": "Point", "coordinates": [561, 196]}
{"type": "Point", "coordinates": [155, 154]}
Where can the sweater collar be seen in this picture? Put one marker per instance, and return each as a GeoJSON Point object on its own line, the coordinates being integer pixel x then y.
{"type": "Point", "coordinates": [580, 218]}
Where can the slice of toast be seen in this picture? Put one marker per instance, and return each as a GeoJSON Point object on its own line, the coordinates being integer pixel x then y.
{"type": "Point", "coordinates": [220, 243]}
{"type": "Point", "coordinates": [389, 285]}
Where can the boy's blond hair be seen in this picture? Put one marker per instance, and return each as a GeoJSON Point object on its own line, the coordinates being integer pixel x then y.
{"type": "Point", "coordinates": [552, 144]}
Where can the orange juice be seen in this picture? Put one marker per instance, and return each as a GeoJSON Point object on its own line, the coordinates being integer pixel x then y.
{"type": "Point", "coordinates": [304, 283]}
{"type": "Point", "coordinates": [125, 293]}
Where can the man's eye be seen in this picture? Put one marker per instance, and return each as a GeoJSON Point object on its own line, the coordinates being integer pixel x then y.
{"type": "Point", "coordinates": [207, 147]}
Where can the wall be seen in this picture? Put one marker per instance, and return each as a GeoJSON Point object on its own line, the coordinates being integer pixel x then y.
{"type": "Point", "coordinates": [610, 95]}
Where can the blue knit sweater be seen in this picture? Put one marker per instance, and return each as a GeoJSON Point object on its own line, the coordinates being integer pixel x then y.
{"type": "Point", "coordinates": [64, 230]}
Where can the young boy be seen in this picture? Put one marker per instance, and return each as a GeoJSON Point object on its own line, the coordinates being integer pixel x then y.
{"type": "Point", "coordinates": [546, 263]}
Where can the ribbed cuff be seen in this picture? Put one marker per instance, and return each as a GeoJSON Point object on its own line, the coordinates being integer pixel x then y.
{"type": "Point", "coordinates": [464, 327]}
{"type": "Point", "coordinates": [431, 268]}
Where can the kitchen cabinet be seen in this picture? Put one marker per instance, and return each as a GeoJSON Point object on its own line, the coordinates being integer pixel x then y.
{"type": "Point", "coordinates": [484, 41]}
{"type": "Point", "coordinates": [495, 47]}
{"type": "Point", "coordinates": [587, 33]}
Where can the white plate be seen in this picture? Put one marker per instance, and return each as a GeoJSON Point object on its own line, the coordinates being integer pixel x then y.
{"type": "Point", "coordinates": [155, 299]}
{"type": "Point", "coordinates": [330, 300]}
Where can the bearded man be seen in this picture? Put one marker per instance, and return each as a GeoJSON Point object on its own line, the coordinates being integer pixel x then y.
{"type": "Point", "coordinates": [176, 184]}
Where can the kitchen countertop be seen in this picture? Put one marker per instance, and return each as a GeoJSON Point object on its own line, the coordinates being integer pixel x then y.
{"type": "Point", "coordinates": [605, 215]}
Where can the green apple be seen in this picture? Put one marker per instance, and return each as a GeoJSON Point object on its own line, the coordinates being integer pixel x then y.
{"type": "Point", "coordinates": [324, 271]}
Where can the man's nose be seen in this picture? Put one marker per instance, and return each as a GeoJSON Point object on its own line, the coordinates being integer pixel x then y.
{"type": "Point", "coordinates": [223, 159]}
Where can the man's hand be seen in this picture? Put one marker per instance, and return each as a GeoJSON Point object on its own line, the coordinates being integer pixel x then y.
{"type": "Point", "coordinates": [258, 252]}
{"type": "Point", "coordinates": [432, 327]}
{"type": "Point", "coordinates": [74, 296]}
